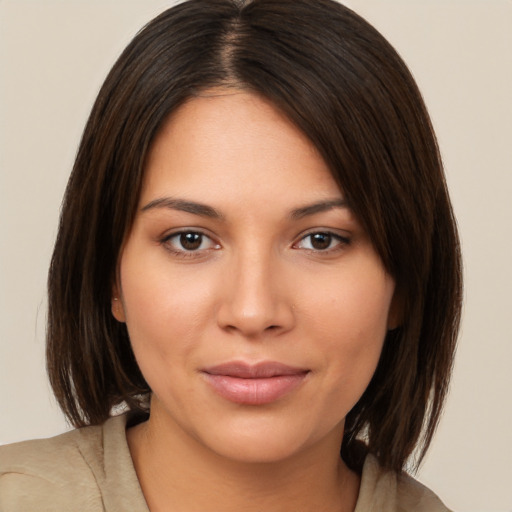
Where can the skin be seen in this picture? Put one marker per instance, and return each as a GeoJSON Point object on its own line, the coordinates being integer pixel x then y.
{"type": "Point", "coordinates": [258, 287]}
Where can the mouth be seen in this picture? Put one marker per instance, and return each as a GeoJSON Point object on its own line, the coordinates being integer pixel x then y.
{"type": "Point", "coordinates": [256, 384]}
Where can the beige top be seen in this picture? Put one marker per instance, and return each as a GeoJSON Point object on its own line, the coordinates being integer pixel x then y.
{"type": "Point", "coordinates": [91, 470]}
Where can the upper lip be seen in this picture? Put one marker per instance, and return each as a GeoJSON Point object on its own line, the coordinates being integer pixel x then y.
{"type": "Point", "coordinates": [261, 370]}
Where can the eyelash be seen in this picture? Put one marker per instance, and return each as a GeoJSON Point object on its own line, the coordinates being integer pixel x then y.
{"type": "Point", "coordinates": [184, 253]}
{"type": "Point", "coordinates": [342, 242]}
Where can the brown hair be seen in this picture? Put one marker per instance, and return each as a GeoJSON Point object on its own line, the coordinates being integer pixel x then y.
{"type": "Point", "coordinates": [347, 89]}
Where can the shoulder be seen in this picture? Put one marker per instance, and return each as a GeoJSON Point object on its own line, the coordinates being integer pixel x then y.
{"type": "Point", "coordinates": [50, 474]}
{"type": "Point", "coordinates": [388, 491]}
{"type": "Point", "coordinates": [412, 495]}
{"type": "Point", "coordinates": [61, 473]}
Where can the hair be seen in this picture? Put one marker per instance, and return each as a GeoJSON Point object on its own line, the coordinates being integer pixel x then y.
{"type": "Point", "coordinates": [346, 88]}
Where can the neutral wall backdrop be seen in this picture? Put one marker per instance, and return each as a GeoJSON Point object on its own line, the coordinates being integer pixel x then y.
{"type": "Point", "coordinates": [53, 58]}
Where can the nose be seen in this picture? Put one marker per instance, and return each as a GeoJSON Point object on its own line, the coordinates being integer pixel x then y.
{"type": "Point", "coordinates": [255, 301]}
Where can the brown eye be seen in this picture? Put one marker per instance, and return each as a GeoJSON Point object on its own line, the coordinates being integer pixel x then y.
{"type": "Point", "coordinates": [321, 241]}
{"type": "Point", "coordinates": [191, 241]}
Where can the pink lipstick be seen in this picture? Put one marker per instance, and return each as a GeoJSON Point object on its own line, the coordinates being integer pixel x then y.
{"type": "Point", "coordinates": [257, 384]}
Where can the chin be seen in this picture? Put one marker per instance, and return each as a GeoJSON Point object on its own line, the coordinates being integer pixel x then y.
{"type": "Point", "coordinates": [241, 449]}
{"type": "Point", "coordinates": [263, 442]}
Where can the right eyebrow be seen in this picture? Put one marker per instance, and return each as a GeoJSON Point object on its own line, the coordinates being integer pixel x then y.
{"type": "Point", "coordinates": [183, 205]}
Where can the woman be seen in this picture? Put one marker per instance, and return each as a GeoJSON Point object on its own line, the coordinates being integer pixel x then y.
{"type": "Point", "coordinates": [257, 258]}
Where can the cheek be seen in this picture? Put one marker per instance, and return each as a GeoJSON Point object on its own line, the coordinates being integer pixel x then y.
{"type": "Point", "coordinates": [350, 328]}
{"type": "Point", "coordinates": [353, 309]}
{"type": "Point", "coordinates": [165, 310]}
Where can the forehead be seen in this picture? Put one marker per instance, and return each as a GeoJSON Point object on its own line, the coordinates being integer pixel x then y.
{"type": "Point", "coordinates": [237, 145]}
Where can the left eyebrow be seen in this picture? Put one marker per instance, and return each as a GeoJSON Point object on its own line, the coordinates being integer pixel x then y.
{"type": "Point", "coordinates": [322, 206]}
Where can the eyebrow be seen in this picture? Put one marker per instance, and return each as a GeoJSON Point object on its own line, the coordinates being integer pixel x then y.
{"type": "Point", "coordinates": [183, 205]}
{"type": "Point", "coordinates": [207, 211]}
{"type": "Point", "coordinates": [319, 207]}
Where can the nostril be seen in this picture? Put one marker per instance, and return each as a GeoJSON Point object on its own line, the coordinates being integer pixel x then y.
{"type": "Point", "coordinates": [253, 314]}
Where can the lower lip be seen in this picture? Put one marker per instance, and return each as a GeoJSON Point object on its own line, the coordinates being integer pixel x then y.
{"type": "Point", "coordinates": [254, 391]}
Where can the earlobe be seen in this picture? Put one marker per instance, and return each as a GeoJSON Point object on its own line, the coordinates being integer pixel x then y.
{"type": "Point", "coordinates": [116, 305]}
{"type": "Point", "coordinates": [118, 310]}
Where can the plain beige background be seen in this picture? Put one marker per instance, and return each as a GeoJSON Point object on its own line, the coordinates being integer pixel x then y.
{"type": "Point", "coordinates": [53, 58]}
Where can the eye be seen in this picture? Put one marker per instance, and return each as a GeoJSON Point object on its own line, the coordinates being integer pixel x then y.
{"type": "Point", "coordinates": [322, 241]}
{"type": "Point", "coordinates": [189, 242]}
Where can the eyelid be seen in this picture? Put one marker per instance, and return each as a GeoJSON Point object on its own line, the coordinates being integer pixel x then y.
{"type": "Point", "coordinates": [343, 240]}
{"type": "Point", "coordinates": [165, 241]}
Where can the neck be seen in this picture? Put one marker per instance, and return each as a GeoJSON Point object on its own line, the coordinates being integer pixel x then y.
{"type": "Point", "coordinates": [174, 468]}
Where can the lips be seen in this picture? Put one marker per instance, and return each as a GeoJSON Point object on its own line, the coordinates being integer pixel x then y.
{"type": "Point", "coordinates": [257, 384]}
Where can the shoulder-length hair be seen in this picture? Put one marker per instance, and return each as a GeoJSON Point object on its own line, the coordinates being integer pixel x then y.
{"type": "Point", "coordinates": [347, 89]}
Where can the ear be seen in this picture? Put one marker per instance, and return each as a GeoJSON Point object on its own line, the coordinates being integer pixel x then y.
{"type": "Point", "coordinates": [396, 311]}
{"type": "Point", "coordinates": [117, 305]}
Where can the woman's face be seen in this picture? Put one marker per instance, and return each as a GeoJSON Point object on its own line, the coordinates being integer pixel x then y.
{"type": "Point", "coordinates": [254, 300]}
